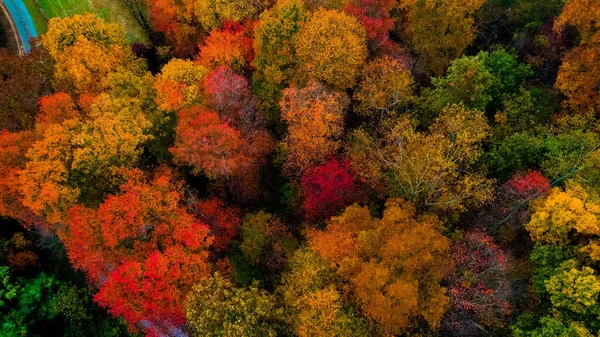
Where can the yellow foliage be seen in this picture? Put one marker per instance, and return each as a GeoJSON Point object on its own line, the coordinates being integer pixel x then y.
{"type": "Point", "coordinates": [439, 30]}
{"type": "Point", "coordinates": [179, 85]}
{"type": "Point", "coordinates": [385, 86]}
{"type": "Point", "coordinates": [432, 169]}
{"type": "Point", "coordinates": [332, 48]}
{"type": "Point", "coordinates": [556, 216]}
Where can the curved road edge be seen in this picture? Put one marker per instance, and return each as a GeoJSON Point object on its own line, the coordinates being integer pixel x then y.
{"type": "Point", "coordinates": [13, 29]}
{"type": "Point", "coordinates": [21, 23]}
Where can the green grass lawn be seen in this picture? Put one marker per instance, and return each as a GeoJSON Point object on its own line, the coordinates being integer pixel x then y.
{"type": "Point", "coordinates": [110, 10]}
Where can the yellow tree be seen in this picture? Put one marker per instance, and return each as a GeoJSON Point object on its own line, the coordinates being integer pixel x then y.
{"type": "Point", "coordinates": [560, 214]}
{"type": "Point", "coordinates": [87, 52]}
{"type": "Point", "coordinates": [434, 169]}
{"type": "Point", "coordinates": [179, 85]}
{"type": "Point", "coordinates": [579, 75]}
{"type": "Point", "coordinates": [80, 158]}
{"type": "Point", "coordinates": [314, 304]}
{"type": "Point", "coordinates": [439, 30]}
{"type": "Point", "coordinates": [394, 265]}
{"type": "Point", "coordinates": [331, 48]}
{"type": "Point", "coordinates": [386, 85]}
{"type": "Point", "coordinates": [315, 119]}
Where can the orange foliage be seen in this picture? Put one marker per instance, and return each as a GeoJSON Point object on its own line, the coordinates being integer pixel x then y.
{"type": "Point", "coordinates": [229, 46]}
{"type": "Point", "coordinates": [315, 119]}
{"type": "Point", "coordinates": [206, 144]}
{"type": "Point", "coordinates": [13, 147]}
{"type": "Point", "coordinates": [394, 265]}
{"type": "Point", "coordinates": [56, 108]}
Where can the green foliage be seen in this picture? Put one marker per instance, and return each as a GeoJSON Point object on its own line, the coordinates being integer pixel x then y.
{"type": "Point", "coordinates": [547, 260]}
{"type": "Point", "coordinates": [274, 52]}
{"type": "Point", "coordinates": [575, 289]}
{"type": "Point", "coordinates": [529, 325]}
{"type": "Point", "coordinates": [9, 290]}
{"type": "Point", "coordinates": [480, 82]}
{"type": "Point", "coordinates": [566, 153]}
{"type": "Point", "coordinates": [519, 151]}
{"type": "Point", "coordinates": [30, 306]}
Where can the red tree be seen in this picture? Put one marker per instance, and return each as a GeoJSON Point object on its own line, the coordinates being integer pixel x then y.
{"type": "Point", "coordinates": [229, 95]}
{"type": "Point", "coordinates": [206, 143]}
{"type": "Point", "coordinates": [375, 16]}
{"type": "Point", "coordinates": [530, 184]}
{"type": "Point", "coordinates": [328, 188]}
{"type": "Point", "coordinates": [222, 220]}
{"type": "Point", "coordinates": [141, 248]}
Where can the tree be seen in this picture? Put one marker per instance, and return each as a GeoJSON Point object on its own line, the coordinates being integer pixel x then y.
{"type": "Point", "coordinates": [481, 285]}
{"type": "Point", "coordinates": [274, 50]}
{"type": "Point", "coordinates": [315, 117]}
{"type": "Point", "coordinates": [215, 307]}
{"type": "Point", "coordinates": [87, 51]}
{"type": "Point", "coordinates": [64, 32]}
{"type": "Point", "coordinates": [207, 144]}
{"type": "Point", "coordinates": [179, 85]}
{"type": "Point", "coordinates": [386, 86]}
{"type": "Point", "coordinates": [228, 95]}
{"type": "Point", "coordinates": [13, 150]}
{"type": "Point", "coordinates": [265, 241]}
{"type": "Point", "coordinates": [80, 159]}
{"type": "Point", "coordinates": [314, 303]}
{"type": "Point", "coordinates": [438, 30]}
{"type": "Point", "coordinates": [375, 16]}
{"type": "Point", "coordinates": [482, 82]}
{"type": "Point", "coordinates": [575, 290]}
{"type": "Point", "coordinates": [578, 77]}
{"type": "Point", "coordinates": [55, 109]}
{"type": "Point", "coordinates": [185, 21]}
{"type": "Point", "coordinates": [141, 248]}
{"type": "Point", "coordinates": [178, 21]}
{"type": "Point", "coordinates": [229, 46]}
{"type": "Point", "coordinates": [330, 48]}
{"type": "Point", "coordinates": [23, 80]}
{"type": "Point", "coordinates": [223, 221]}
{"type": "Point", "coordinates": [428, 169]}
{"type": "Point", "coordinates": [393, 265]}
{"type": "Point", "coordinates": [328, 188]}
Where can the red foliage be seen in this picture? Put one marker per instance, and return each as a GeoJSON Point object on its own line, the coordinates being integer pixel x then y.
{"type": "Point", "coordinates": [375, 16]}
{"type": "Point", "coordinates": [229, 95]}
{"type": "Point", "coordinates": [206, 143]}
{"type": "Point", "coordinates": [481, 285]}
{"type": "Point", "coordinates": [141, 248]}
{"type": "Point", "coordinates": [223, 222]}
{"type": "Point", "coordinates": [327, 189]}
{"type": "Point", "coordinates": [532, 183]}
{"type": "Point", "coordinates": [232, 46]}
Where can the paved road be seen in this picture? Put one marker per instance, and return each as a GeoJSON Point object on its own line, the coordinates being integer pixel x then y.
{"type": "Point", "coordinates": [21, 21]}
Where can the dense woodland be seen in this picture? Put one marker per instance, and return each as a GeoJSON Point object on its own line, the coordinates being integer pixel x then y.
{"type": "Point", "coordinates": [305, 168]}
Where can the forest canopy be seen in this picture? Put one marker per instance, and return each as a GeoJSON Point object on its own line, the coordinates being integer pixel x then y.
{"type": "Point", "coordinates": [303, 168]}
